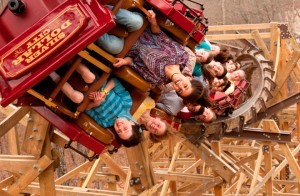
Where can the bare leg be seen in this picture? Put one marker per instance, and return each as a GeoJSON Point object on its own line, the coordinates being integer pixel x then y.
{"type": "Point", "coordinates": [68, 90]}
{"type": "Point", "coordinates": [85, 73]}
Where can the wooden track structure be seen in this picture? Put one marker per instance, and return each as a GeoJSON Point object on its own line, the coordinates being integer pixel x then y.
{"type": "Point", "coordinates": [255, 165]}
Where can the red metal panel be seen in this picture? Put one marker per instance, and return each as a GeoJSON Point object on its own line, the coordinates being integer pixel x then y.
{"type": "Point", "coordinates": [99, 22]}
{"type": "Point", "coordinates": [178, 18]}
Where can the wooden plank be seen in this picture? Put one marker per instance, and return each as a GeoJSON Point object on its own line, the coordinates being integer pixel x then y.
{"type": "Point", "coordinates": [139, 166]}
{"type": "Point", "coordinates": [11, 120]}
{"type": "Point", "coordinates": [35, 134]}
{"type": "Point", "coordinates": [46, 178]}
{"type": "Point", "coordinates": [220, 37]}
{"type": "Point", "coordinates": [8, 110]}
{"type": "Point", "coordinates": [92, 173]}
{"type": "Point", "coordinates": [291, 63]}
{"type": "Point", "coordinates": [268, 167]}
{"type": "Point", "coordinates": [260, 184]}
{"type": "Point", "coordinates": [126, 191]}
{"type": "Point", "coordinates": [216, 147]}
{"type": "Point", "coordinates": [298, 127]}
{"type": "Point", "coordinates": [152, 191]}
{"type": "Point", "coordinates": [179, 176]}
{"type": "Point", "coordinates": [257, 166]}
{"type": "Point", "coordinates": [274, 40]}
{"type": "Point", "coordinates": [60, 190]}
{"type": "Point", "coordinates": [239, 27]}
{"type": "Point", "coordinates": [113, 165]}
{"type": "Point", "coordinates": [4, 193]}
{"type": "Point", "coordinates": [7, 182]}
{"type": "Point", "coordinates": [208, 185]}
{"type": "Point", "coordinates": [261, 44]}
{"type": "Point", "coordinates": [171, 168]}
{"type": "Point", "coordinates": [212, 160]}
{"type": "Point", "coordinates": [73, 172]}
{"type": "Point", "coordinates": [13, 141]}
{"type": "Point", "coordinates": [193, 166]}
{"type": "Point", "coordinates": [272, 126]}
{"type": "Point", "coordinates": [16, 166]}
{"type": "Point", "coordinates": [29, 176]}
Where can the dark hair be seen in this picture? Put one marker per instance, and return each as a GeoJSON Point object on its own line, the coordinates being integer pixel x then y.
{"type": "Point", "coordinates": [226, 86]}
{"type": "Point", "coordinates": [199, 94]}
{"type": "Point", "coordinates": [134, 139]}
{"type": "Point", "coordinates": [223, 74]}
{"type": "Point", "coordinates": [209, 58]}
{"type": "Point", "coordinates": [158, 138]}
{"type": "Point", "coordinates": [200, 112]}
{"type": "Point", "coordinates": [224, 55]}
{"type": "Point", "coordinates": [207, 75]}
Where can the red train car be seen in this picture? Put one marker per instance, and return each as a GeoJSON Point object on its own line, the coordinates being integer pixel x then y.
{"type": "Point", "coordinates": [38, 37]}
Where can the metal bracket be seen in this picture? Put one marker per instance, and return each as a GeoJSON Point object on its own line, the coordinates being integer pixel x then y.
{"type": "Point", "coordinates": [241, 124]}
{"type": "Point", "coordinates": [263, 105]}
{"type": "Point", "coordinates": [267, 61]}
{"type": "Point", "coordinates": [68, 145]}
{"type": "Point", "coordinates": [260, 51]}
{"type": "Point", "coordinates": [134, 181]}
{"type": "Point", "coordinates": [269, 95]}
{"type": "Point", "coordinates": [284, 31]}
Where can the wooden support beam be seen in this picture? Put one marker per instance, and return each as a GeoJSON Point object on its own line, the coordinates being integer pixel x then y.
{"type": "Point", "coordinates": [257, 167]}
{"type": "Point", "coordinates": [216, 147]}
{"type": "Point", "coordinates": [298, 129]}
{"type": "Point", "coordinates": [34, 189]}
{"type": "Point", "coordinates": [46, 178]}
{"type": "Point", "coordinates": [139, 165]}
{"type": "Point", "coordinates": [7, 182]}
{"type": "Point", "coordinates": [113, 165]}
{"type": "Point", "coordinates": [92, 173]}
{"type": "Point", "coordinates": [180, 177]}
{"type": "Point", "coordinates": [212, 160]}
{"type": "Point", "coordinates": [76, 171]}
{"type": "Point", "coordinates": [274, 41]}
{"type": "Point", "coordinates": [127, 188]}
{"type": "Point", "coordinates": [239, 27]}
{"type": "Point", "coordinates": [11, 120]}
{"type": "Point", "coordinates": [219, 37]}
{"type": "Point", "coordinates": [261, 44]}
{"type": "Point", "coordinates": [15, 165]}
{"type": "Point", "coordinates": [272, 126]}
{"type": "Point", "coordinates": [282, 77]}
{"type": "Point", "coordinates": [35, 134]}
{"type": "Point", "coordinates": [171, 168]}
{"type": "Point", "coordinates": [29, 175]}
{"type": "Point", "coordinates": [260, 184]}
{"type": "Point", "coordinates": [152, 191]}
{"type": "Point", "coordinates": [13, 141]}
{"type": "Point", "coordinates": [268, 166]}
{"type": "Point", "coordinates": [207, 185]}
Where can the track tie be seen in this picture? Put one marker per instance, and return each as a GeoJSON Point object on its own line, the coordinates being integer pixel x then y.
{"type": "Point", "coordinates": [269, 95]}
{"type": "Point", "coordinates": [260, 51]}
{"type": "Point", "coordinates": [263, 105]}
{"type": "Point", "coordinates": [271, 71]}
{"type": "Point", "coordinates": [273, 84]}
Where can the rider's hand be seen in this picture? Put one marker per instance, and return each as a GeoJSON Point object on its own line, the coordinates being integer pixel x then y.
{"type": "Point", "coordinates": [119, 63]}
{"type": "Point", "coordinates": [152, 18]}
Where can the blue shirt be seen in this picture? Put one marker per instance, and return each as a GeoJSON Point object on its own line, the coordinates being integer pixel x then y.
{"type": "Point", "coordinates": [197, 69]}
{"type": "Point", "coordinates": [117, 104]}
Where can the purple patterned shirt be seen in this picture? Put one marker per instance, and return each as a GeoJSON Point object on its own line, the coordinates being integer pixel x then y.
{"type": "Point", "coordinates": [153, 52]}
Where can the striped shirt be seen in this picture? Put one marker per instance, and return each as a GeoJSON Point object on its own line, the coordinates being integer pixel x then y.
{"type": "Point", "coordinates": [117, 104]}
